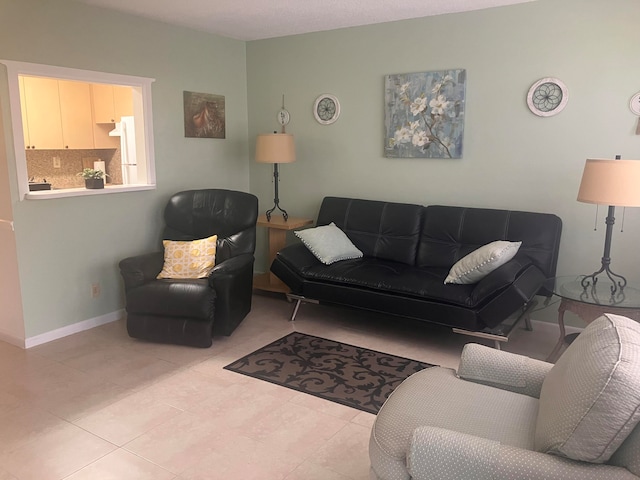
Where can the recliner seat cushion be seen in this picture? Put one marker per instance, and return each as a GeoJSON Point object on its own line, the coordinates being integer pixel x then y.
{"type": "Point", "coordinates": [173, 298]}
{"type": "Point", "coordinates": [436, 397]}
{"type": "Point", "coordinates": [590, 399]}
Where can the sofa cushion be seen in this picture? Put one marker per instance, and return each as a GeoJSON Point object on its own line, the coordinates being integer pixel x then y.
{"type": "Point", "coordinates": [450, 233]}
{"type": "Point", "coordinates": [481, 262]}
{"type": "Point", "coordinates": [328, 243]}
{"type": "Point", "coordinates": [393, 278]}
{"type": "Point", "coordinates": [590, 400]}
{"type": "Point", "coordinates": [383, 230]}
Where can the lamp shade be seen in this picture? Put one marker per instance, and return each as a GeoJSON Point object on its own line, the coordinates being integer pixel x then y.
{"type": "Point", "coordinates": [275, 148]}
{"type": "Point", "coordinates": [611, 182]}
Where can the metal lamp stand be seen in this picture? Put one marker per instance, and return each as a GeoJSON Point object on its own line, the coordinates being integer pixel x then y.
{"type": "Point", "coordinates": [606, 259]}
{"type": "Point", "coordinates": [276, 200]}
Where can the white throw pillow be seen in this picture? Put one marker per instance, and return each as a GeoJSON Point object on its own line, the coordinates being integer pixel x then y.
{"type": "Point", "coordinates": [481, 262]}
{"type": "Point", "coordinates": [328, 243]}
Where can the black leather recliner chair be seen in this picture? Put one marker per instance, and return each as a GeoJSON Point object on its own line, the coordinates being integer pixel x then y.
{"type": "Point", "coordinates": [190, 311]}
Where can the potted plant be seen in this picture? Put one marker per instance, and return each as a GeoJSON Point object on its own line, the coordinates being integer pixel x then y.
{"type": "Point", "coordinates": [93, 178]}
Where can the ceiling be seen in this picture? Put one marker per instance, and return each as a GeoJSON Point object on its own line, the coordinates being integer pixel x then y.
{"type": "Point", "coordinates": [260, 19]}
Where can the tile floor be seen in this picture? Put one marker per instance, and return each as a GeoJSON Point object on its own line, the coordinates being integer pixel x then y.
{"type": "Point", "coordinates": [99, 405]}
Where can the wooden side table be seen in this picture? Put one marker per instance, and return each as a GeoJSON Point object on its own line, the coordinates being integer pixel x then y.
{"type": "Point", "coordinates": [586, 305]}
{"type": "Point", "coordinates": [277, 240]}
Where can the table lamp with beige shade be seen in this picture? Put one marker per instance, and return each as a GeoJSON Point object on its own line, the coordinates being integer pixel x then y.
{"type": "Point", "coordinates": [275, 148]}
{"type": "Point", "coordinates": [615, 183]}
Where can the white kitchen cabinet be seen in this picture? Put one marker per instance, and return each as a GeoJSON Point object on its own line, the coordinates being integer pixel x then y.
{"type": "Point", "coordinates": [23, 110]}
{"type": "Point", "coordinates": [75, 113]}
{"type": "Point", "coordinates": [59, 114]}
{"type": "Point", "coordinates": [43, 120]}
{"type": "Point", "coordinates": [111, 102]}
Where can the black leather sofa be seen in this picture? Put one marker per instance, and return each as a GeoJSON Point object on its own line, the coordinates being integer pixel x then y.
{"type": "Point", "coordinates": [408, 251]}
{"type": "Point", "coordinates": [190, 311]}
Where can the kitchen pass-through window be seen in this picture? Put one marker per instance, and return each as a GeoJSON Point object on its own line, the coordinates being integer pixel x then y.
{"type": "Point", "coordinates": [68, 121]}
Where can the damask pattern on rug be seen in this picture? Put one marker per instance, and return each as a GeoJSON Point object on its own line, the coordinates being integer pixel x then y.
{"type": "Point", "coordinates": [346, 374]}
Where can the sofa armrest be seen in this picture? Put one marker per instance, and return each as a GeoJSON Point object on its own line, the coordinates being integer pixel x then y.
{"type": "Point", "coordinates": [437, 453]}
{"type": "Point", "coordinates": [141, 269]}
{"type": "Point", "coordinates": [501, 277]}
{"type": "Point", "coordinates": [504, 370]}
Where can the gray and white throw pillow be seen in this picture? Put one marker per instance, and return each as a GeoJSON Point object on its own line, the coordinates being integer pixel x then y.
{"type": "Point", "coordinates": [481, 262]}
{"type": "Point", "coordinates": [328, 243]}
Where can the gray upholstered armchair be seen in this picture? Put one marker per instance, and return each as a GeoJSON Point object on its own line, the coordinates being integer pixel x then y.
{"type": "Point", "coordinates": [505, 416]}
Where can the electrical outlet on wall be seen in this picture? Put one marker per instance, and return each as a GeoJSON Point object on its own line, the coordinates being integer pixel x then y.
{"type": "Point", "coordinates": [95, 290]}
{"type": "Point", "coordinates": [56, 162]}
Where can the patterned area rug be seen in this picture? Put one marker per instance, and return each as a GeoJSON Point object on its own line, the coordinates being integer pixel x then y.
{"type": "Point", "coordinates": [335, 371]}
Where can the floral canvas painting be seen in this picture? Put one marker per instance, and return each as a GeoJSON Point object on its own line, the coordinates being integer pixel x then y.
{"type": "Point", "coordinates": [424, 114]}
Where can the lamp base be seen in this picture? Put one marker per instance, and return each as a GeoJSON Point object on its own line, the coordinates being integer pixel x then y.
{"type": "Point", "coordinates": [276, 200]}
{"type": "Point", "coordinates": [606, 259]}
{"type": "Point", "coordinates": [618, 281]}
{"type": "Point", "coordinates": [268, 213]}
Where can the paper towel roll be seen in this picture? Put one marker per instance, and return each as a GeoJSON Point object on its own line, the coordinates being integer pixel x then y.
{"type": "Point", "coordinates": [99, 165]}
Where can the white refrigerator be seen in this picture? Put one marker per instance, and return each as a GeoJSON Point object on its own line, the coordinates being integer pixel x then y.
{"type": "Point", "coordinates": [125, 129]}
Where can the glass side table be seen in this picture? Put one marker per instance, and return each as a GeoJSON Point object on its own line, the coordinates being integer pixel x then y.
{"type": "Point", "coordinates": [590, 303]}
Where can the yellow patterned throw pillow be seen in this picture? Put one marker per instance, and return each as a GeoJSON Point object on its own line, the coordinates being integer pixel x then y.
{"type": "Point", "coordinates": [194, 259]}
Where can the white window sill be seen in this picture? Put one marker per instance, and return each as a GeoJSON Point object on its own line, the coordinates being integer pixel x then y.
{"type": "Point", "coordinates": [79, 192]}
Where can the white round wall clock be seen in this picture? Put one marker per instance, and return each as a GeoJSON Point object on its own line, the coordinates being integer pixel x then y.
{"type": "Point", "coordinates": [326, 109]}
{"type": "Point", "coordinates": [634, 104]}
{"type": "Point", "coordinates": [547, 97]}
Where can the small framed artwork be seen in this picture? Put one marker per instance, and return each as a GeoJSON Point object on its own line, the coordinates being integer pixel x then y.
{"type": "Point", "coordinates": [547, 97]}
{"type": "Point", "coordinates": [424, 114]}
{"type": "Point", "coordinates": [204, 115]}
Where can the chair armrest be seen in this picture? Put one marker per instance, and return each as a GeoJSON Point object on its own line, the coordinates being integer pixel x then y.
{"type": "Point", "coordinates": [141, 269]}
{"type": "Point", "coordinates": [504, 370]}
{"type": "Point", "coordinates": [230, 267]}
{"type": "Point", "coordinates": [436, 453]}
{"type": "Point", "coordinates": [232, 281]}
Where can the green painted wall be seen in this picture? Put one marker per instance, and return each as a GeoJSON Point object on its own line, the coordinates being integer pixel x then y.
{"type": "Point", "coordinates": [512, 158]}
{"type": "Point", "coordinates": [64, 245]}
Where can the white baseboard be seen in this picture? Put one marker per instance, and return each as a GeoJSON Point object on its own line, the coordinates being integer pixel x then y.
{"type": "Point", "coordinates": [568, 329]}
{"type": "Point", "coordinates": [71, 329]}
{"type": "Point", "coordinates": [12, 340]}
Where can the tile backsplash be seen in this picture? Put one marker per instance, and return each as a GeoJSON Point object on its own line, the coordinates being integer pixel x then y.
{"type": "Point", "coordinates": [40, 166]}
